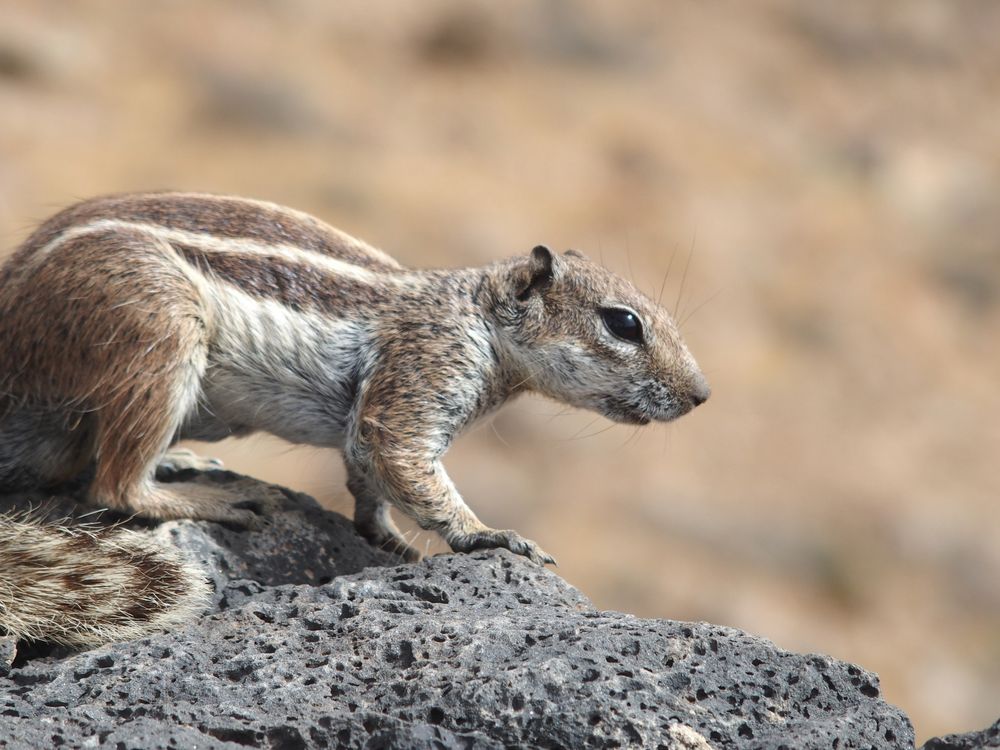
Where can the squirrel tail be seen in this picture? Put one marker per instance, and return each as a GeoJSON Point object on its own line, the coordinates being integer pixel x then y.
{"type": "Point", "coordinates": [87, 585]}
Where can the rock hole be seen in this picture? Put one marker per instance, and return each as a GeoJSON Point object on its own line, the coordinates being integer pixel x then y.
{"type": "Point", "coordinates": [30, 650]}
{"type": "Point", "coordinates": [285, 738]}
{"type": "Point", "coordinates": [238, 673]}
{"type": "Point", "coordinates": [406, 657]}
{"type": "Point", "coordinates": [244, 737]}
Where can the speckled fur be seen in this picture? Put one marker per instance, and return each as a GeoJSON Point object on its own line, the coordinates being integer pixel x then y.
{"type": "Point", "coordinates": [130, 322]}
{"type": "Point", "coordinates": [83, 585]}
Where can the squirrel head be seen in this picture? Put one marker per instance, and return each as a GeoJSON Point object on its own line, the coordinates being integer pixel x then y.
{"type": "Point", "coordinates": [587, 337]}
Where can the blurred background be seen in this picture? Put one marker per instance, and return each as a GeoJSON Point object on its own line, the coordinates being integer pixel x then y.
{"type": "Point", "coordinates": [826, 174]}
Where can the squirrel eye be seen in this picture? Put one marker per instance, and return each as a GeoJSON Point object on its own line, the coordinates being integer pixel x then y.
{"type": "Point", "coordinates": [623, 323]}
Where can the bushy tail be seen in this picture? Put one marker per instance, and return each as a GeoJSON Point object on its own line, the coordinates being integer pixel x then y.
{"type": "Point", "coordinates": [86, 585]}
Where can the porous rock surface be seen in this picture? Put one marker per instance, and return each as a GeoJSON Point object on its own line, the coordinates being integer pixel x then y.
{"type": "Point", "coordinates": [984, 740]}
{"type": "Point", "coordinates": [315, 639]}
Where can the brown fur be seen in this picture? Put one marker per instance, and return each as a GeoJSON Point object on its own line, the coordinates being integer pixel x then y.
{"type": "Point", "coordinates": [129, 322]}
{"type": "Point", "coordinates": [297, 285]}
{"type": "Point", "coordinates": [216, 216]}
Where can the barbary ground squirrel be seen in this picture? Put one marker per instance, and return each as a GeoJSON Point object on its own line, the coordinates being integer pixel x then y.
{"type": "Point", "coordinates": [130, 322]}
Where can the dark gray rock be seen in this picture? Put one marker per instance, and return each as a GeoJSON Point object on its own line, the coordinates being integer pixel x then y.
{"type": "Point", "coordinates": [308, 647]}
{"type": "Point", "coordinates": [8, 650]}
{"type": "Point", "coordinates": [988, 738]}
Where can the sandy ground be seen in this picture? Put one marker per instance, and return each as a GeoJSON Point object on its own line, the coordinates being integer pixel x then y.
{"type": "Point", "coordinates": [827, 175]}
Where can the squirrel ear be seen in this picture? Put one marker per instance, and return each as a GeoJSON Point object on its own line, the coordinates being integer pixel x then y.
{"type": "Point", "coordinates": [575, 254]}
{"type": "Point", "coordinates": [539, 272]}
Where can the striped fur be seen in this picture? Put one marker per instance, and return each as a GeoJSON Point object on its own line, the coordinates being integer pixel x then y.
{"type": "Point", "coordinates": [130, 322]}
{"type": "Point", "coordinates": [85, 585]}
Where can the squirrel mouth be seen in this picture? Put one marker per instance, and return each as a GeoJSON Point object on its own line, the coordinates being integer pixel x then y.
{"type": "Point", "coordinates": [626, 413]}
{"type": "Point", "coordinates": [641, 420]}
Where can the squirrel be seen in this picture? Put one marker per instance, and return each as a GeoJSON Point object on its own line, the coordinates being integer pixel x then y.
{"type": "Point", "coordinates": [130, 322]}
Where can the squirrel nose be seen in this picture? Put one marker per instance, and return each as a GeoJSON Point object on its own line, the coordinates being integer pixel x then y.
{"type": "Point", "coordinates": [700, 390]}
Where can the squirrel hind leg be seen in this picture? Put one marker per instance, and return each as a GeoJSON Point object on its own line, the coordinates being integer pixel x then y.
{"type": "Point", "coordinates": [177, 460]}
{"type": "Point", "coordinates": [137, 426]}
{"type": "Point", "coordinates": [99, 585]}
{"type": "Point", "coordinates": [43, 447]}
{"type": "Point", "coordinates": [198, 502]}
{"type": "Point", "coordinates": [138, 419]}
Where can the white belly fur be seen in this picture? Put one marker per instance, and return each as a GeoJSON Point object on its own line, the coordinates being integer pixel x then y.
{"type": "Point", "coordinates": [267, 363]}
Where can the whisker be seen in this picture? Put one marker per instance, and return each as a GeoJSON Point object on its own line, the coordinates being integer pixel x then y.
{"type": "Point", "coordinates": [585, 427]}
{"type": "Point", "coordinates": [560, 413]}
{"type": "Point", "coordinates": [699, 306]}
{"type": "Point", "coordinates": [493, 426]}
{"type": "Point", "coordinates": [592, 434]}
{"type": "Point", "coordinates": [670, 264]}
{"type": "Point", "coordinates": [680, 292]}
{"type": "Point", "coordinates": [630, 438]}
{"type": "Point", "coordinates": [628, 257]}
{"type": "Point", "coordinates": [668, 433]}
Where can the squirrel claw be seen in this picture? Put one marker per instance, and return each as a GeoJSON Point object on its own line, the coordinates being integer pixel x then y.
{"type": "Point", "coordinates": [178, 460]}
{"type": "Point", "coordinates": [506, 538]}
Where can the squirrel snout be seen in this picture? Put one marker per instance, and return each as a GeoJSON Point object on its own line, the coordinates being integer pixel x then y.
{"type": "Point", "coordinates": [700, 390]}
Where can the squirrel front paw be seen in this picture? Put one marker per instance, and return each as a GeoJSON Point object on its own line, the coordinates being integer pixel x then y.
{"type": "Point", "coordinates": [506, 538]}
